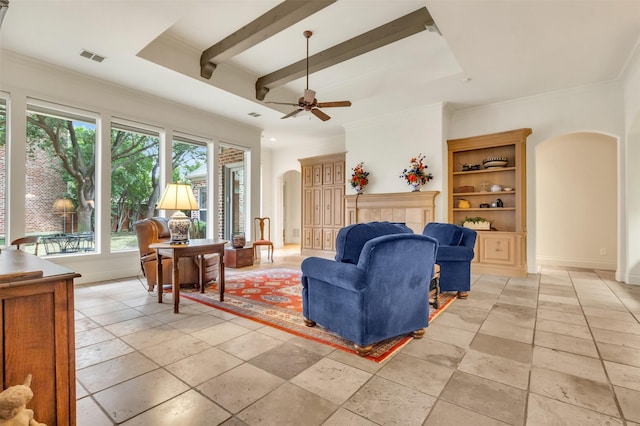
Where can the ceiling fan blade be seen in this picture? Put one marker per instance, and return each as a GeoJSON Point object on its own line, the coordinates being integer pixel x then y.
{"type": "Point", "coordinates": [321, 115]}
{"type": "Point", "coordinates": [291, 114]}
{"type": "Point", "coordinates": [334, 104]}
{"type": "Point", "coordinates": [309, 96]}
{"type": "Point", "coordinates": [283, 103]}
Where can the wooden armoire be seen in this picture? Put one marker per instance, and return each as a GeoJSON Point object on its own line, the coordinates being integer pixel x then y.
{"type": "Point", "coordinates": [323, 183]}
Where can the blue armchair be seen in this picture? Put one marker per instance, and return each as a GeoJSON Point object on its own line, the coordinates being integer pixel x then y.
{"type": "Point", "coordinates": [455, 252]}
{"type": "Point", "coordinates": [385, 294]}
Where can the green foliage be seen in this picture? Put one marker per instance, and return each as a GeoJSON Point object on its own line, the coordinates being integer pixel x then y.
{"type": "Point", "coordinates": [135, 165]}
{"type": "Point", "coordinates": [473, 220]}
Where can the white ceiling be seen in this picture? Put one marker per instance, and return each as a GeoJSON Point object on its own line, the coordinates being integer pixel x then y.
{"type": "Point", "coordinates": [489, 51]}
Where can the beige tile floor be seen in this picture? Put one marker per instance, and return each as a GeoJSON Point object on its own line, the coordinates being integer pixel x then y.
{"type": "Point", "coordinates": [558, 348]}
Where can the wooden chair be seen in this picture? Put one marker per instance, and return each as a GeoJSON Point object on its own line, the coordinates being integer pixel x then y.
{"type": "Point", "coordinates": [34, 239]}
{"type": "Point", "coordinates": [259, 225]}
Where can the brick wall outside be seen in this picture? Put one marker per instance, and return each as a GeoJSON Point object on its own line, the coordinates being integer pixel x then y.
{"type": "Point", "coordinates": [44, 187]}
{"type": "Point", "coordinates": [229, 156]}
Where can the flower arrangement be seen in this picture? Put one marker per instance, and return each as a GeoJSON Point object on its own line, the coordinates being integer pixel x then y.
{"type": "Point", "coordinates": [416, 175]}
{"type": "Point", "coordinates": [359, 177]}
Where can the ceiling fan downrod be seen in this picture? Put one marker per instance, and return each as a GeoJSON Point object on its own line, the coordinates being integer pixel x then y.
{"type": "Point", "coordinates": [307, 34]}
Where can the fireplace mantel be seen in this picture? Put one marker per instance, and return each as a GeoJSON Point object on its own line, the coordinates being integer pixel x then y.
{"type": "Point", "coordinates": [415, 209]}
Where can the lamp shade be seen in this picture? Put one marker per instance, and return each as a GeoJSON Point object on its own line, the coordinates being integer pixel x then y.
{"type": "Point", "coordinates": [178, 196]}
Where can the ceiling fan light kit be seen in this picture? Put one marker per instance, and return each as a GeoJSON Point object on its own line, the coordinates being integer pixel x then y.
{"type": "Point", "coordinates": [308, 101]}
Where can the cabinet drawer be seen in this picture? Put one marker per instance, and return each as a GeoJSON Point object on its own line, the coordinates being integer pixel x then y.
{"type": "Point", "coordinates": [498, 249]}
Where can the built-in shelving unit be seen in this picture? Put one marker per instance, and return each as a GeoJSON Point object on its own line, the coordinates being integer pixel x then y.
{"type": "Point", "coordinates": [501, 250]}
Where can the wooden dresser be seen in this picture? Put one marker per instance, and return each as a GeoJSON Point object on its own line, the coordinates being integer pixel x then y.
{"type": "Point", "coordinates": [37, 331]}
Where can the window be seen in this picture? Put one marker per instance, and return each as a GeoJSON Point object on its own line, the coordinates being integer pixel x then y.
{"type": "Point", "coordinates": [135, 180]}
{"type": "Point", "coordinates": [60, 178]}
{"type": "Point", "coordinates": [189, 162]}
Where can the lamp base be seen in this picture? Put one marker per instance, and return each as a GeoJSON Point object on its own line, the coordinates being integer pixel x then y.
{"type": "Point", "coordinates": [179, 228]}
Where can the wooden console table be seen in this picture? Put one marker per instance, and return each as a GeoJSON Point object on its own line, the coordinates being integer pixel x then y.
{"type": "Point", "coordinates": [196, 247]}
{"type": "Point", "coordinates": [37, 333]}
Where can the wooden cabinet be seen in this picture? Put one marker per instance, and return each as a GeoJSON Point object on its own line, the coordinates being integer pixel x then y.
{"type": "Point", "coordinates": [502, 250]}
{"type": "Point", "coordinates": [238, 257]}
{"type": "Point", "coordinates": [37, 332]}
{"type": "Point", "coordinates": [322, 203]}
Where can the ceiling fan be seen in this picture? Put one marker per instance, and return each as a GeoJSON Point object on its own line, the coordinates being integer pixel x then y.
{"type": "Point", "coordinates": [308, 102]}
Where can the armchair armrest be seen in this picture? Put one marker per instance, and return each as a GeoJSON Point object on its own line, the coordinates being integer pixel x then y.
{"type": "Point", "coordinates": [345, 275]}
{"type": "Point", "coordinates": [457, 253]}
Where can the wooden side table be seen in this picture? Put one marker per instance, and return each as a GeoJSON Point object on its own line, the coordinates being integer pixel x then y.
{"type": "Point", "coordinates": [238, 257]}
{"type": "Point", "coordinates": [196, 247]}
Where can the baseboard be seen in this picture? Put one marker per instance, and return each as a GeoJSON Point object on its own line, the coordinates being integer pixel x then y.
{"type": "Point", "coordinates": [576, 263]}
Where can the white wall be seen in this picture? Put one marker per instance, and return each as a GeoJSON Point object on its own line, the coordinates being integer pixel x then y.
{"type": "Point", "coordinates": [292, 193]}
{"type": "Point", "coordinates": [386, 144]}
{"type": "Point", "coordinates": [631, 173]}
{"type": "Point", "coordinates": [576, 208]}
{"type": "Point", "coordinates": [589, 109]}
{"type": "Point", "coordinates": [286, 159]}
{"type": "Point", "coordinates": [23, 78]}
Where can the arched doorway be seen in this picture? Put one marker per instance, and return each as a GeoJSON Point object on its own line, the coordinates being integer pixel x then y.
{"type": "Point", "coordinates": [576, 201]}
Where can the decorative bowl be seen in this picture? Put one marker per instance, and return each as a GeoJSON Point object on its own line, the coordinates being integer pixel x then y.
{"type": "Point", "coordinates": [507, 188]}
{"type": "Point", "coordinates": [493, 162]}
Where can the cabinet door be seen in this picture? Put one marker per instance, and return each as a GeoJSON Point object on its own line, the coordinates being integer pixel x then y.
{"type": "Point", "coordinates": [307, 207]}
{"type": "Point", "coordinates": [327, 169]}
{"type": "Point", "coordinates": [338, 173]}
{"type": "Point", "coordinates": [327, 206]}
{"type": "Point", "coordinates": [338, 206]}
{"type": "Point", "coordinates": [307, 175]}
{"type": "Point", "coordinates": [317, 175]}
{"type": "Point", "coordinates": [328, 240]}
{"type": "Point", "coordinates": [307, 238]}
{"type": "Point", "coordinates": [497, 249]}
{"type": "Point", "coordinates": [317, 238]}
{"type": "Point", "coordinates": [316, 215]}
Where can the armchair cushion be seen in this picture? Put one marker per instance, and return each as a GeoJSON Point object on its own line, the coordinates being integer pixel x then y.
{"type": "Point", "coordinates": [385, 294]}
{"type": "Point", "coordinates": [352, 238]}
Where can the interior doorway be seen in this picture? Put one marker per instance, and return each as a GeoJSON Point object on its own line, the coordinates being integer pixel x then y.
{"type": "Point", "coordinates": [576, 201]}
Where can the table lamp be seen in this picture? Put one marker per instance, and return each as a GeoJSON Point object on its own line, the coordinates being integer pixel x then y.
{"type": "Point", "coordinates": [178, 196]}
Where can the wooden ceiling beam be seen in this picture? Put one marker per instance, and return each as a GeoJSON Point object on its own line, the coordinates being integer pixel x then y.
{"type": "Point", "coordinates": [393, 31]}
{"type": "Point", "coordinates": [272, 22]}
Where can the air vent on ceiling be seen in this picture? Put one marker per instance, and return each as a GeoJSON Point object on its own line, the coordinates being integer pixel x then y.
{"type": "Point", "coordinates": [93, 56]}
{"type": "Point", "coordinates": [254, 114]}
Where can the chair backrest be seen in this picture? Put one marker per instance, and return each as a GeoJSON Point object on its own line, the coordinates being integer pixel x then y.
{"type": "Point", "coordinates": [449, 234]}
{"type": "Point", "coordinates": [34, 239]}
{"type": "Point", "coordinates": [352, 238]}
{"type": "Point", "coordinates": [398, 260]}
{"type": "Point", "coordinates": [146, 233]}
{"type": "Point", "coordinates": [259, 225]}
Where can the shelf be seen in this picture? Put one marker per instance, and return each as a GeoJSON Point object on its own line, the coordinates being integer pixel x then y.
{"type": "Point", "coordinates": [469, 194]}
{"type": "Point", "coordinates": [486, 209]}
{"type": "Point", "coordinates": [494, 170]}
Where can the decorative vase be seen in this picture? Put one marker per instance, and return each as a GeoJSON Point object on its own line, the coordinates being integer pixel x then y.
{"type": "Point", "coordinates": [416, 186]}
{"type": "Point", "coordinates": [359, 189]}
{"type": "Point", "coordinates": [238, 240]}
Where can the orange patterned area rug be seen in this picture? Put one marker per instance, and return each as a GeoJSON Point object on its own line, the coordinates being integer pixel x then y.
{"type": "Point", "coordinates": [274, 297]}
